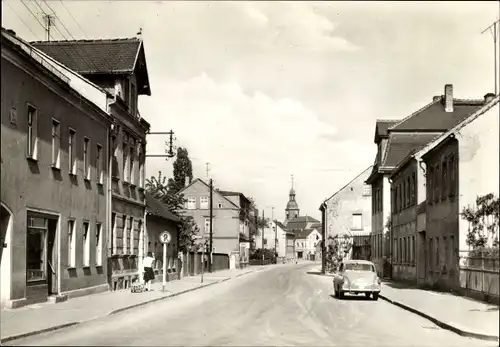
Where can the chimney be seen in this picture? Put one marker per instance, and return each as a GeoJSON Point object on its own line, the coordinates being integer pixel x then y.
{"type": "Point", "coordinates": [488, 97]}
{"type": "Point", "coordinates": [448, 98]}
{"type": "Point", "coordinates": [436, 98]}
{"type": "Point", "coordinates": [186, 182]}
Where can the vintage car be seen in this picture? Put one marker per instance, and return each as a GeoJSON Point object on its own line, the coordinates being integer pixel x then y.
{"type": "Point", "coordinates": [356, 277]}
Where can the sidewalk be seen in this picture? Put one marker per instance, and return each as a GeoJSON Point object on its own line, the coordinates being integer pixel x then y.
{"type": "Point", "coordinates": [461, 315]}
{"type": "Point", "coordinates": [36, 319]}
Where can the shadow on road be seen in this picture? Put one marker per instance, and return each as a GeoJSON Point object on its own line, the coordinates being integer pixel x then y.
{"type": "Point", "coordinates": [353, 298]}
{"type": "Point", "coordinates": [314, 272]}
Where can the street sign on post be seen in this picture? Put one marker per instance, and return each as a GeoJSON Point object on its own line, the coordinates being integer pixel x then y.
{"type": "Point", "coordinates": [165, 238]}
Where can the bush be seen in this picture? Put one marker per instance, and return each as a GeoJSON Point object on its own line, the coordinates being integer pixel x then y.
{"type": "Point", "coordinates": [269, 254]}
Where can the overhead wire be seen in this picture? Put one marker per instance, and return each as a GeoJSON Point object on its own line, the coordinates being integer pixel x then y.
{"type": "Point", "coordinates": [21, 19]}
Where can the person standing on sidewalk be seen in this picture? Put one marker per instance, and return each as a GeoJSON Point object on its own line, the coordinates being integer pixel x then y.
{"type": "Point", "coordinates": [149, 274]}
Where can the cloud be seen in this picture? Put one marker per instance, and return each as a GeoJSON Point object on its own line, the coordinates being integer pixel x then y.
{"type": "Point", "coordinates": [252, 141]}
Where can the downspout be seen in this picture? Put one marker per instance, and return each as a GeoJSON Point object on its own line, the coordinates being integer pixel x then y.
{"type": "Point", "coordinates": [144, 243]}
{"type": "Point", "coordinates": [109, 234]}
{"type": "Point", "coordinates": [59, 254]}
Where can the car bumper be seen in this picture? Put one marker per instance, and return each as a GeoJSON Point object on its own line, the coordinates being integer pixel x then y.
{"type": "Point", "coordinates": [361, 289]}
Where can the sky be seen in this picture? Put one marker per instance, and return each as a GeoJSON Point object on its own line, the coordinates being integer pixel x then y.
{"type": "Point", "coordinates": [266, 90]}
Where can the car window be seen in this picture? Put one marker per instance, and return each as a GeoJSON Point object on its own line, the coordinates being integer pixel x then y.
{"type": "Point", "coordinates": [360, 267]}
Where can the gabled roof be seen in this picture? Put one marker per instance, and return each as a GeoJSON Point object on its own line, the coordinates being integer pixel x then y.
{"type": "Point", "coordinates": [156, 208]}
{"type": "Point", "coordinates": [433, 117]}
{"type": "Point", "coordinates": [381, 127]}
{"type": "Point", "coordinates": [281, 225]}
{"type": "Point", "coordinates": [401, 144]}
{"type": "Point", "coordinates": [438, 140]}
{"type": "Point", "coordinates": [369, 168]}
{"type": "Point", "coordinates": [302, 234]}
{"type": "Point", "coordinates": [300, 222]}
{"type": "Point", "coordinates": [106, 56]}
{"type": "Point", "coordinates": [229, 193]}
{"type": "Point", "coordinates": [208, 187]}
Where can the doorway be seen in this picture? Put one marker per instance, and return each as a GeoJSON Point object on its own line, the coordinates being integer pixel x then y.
{"type": "Point", "coordinates": [41, 254]}
{"type": "Point", "coordinates": [4, 226]}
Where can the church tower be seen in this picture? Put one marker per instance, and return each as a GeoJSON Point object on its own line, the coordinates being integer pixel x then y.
{"type": "Point", "coordinates": [292, 208]}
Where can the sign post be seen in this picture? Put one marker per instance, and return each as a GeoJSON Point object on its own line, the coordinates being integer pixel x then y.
{"type": "Point", "coordinates": [165, 238]}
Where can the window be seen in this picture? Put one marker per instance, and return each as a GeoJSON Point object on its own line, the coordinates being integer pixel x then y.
{"type": "Point", "coordinates": [86, 158]}
{"type": "Point", "coordinates": [413, 189]}
{"type": "Point", "coordinates": [444, 181]}
{"type": "Point", "coordinates": [204, 202]}
{"type": "Point", "coordinates": [437, 176]}
{"type": "Point", "coordinates": [191, 203]}
{"type": "Point", "coordinates": [114, 158]}
{"type": "Point", "coordinates": [142, 157]}
{"type": "Point", "coordinates": [219, 205]}
{"type": "Point", "coordinates": [453, 176]}
{"type": "Point", "coordinates": [72, 152]}
{"type": "Point", "coordinates": [71, 244]}
{"type": "Point", "coordinates": [125, 157]}
{"type": "Point", "coordinates": [86, 244]}
{"type": "Point", "coordinates": [430, 252]}
{"type": "Point", "coordinates": [56, 144]}
{"type": "Point", "coordinates": [367, 190]}
{"type": "Point", "coordinates": [445, 244]}
{"type": "Point", "coordinates": [207, 225]}
{"type": "Point", "coordinates": [403, 200]}
{"type": "Point", "coordinates": [133, 99]}
{"type": "Point", "coordinates": [437, 251]}
{"type": "Point", "coordinates": [32, 140]}
{"type": "Point", "coordinates": [408, 192]}
{"type": "Point", "coordinates": [395, 249]}
{"type": "Point", "coordinates": [36, 252]}
{"type": "Point", "coordinates": [98, 244]}
{"type": "Point", "coordinates": [357, 221]}
{"type": "Point", "coordinates": [405, 253]}
{"type": "Point", "coordinates": [124, 234]}
{"type": "Point", "coordinates": [131, 232]}
{"type": "Point", "coordinates": [113, 233]}
{"type": "Point", "coordinates": [401, 250]}
{"type": "Point", "coordinates": [132, 163]}
{"type": "Point", "coordinates": [414, 249]}
{"type": "Point", "coordinates": [98, 165]}
{"type": "Point", "coordinates": [430, 185]}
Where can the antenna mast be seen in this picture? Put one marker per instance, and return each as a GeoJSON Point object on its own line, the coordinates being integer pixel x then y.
{"type": "Point", "coordinates": [49, 22]}
{"type": "Point", "coordinates": [494, 28]}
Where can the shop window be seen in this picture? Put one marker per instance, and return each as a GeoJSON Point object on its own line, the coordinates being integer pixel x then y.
{"type": "Point", "coordinates": [36, 250]}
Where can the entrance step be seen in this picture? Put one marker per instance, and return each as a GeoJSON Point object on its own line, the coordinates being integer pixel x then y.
{"type": "Point", "coordinates": [54, 299]}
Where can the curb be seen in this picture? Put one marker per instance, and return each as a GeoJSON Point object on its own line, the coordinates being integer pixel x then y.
{"type": "Point", "coordinates": [67, 325]}
{"type": "Point", "coordinates": [243, 274]}
{"type": "Point", "coordinates": [440, 323]}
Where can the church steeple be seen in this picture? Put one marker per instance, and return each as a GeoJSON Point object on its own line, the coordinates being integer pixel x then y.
{"type": "Point", "coordinates": [292, 208]}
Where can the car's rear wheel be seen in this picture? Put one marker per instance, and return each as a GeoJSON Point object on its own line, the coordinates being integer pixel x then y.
{"type": "Point", "coordinates": [375, 296]}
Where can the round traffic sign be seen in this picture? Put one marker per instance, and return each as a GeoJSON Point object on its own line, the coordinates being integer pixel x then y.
{"type": "Point", "coordinates": [165, 237]}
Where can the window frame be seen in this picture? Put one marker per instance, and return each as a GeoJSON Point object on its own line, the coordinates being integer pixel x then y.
{"type": "Point", "coordinates": [32, 139]}
{"type": "Point", "coordinates": [71, 243]}
{"type": "Point", "coordinates": [86, 244]}
{"type": "Point", "coordinates": [98, 244]}
{"type": "Point", "coordinates": [202, 204]}
{"type": "Point", "coordinates": [86, 158]}
{"type": "Point", "coordinates": [56, 144]}
{"type": "Point", "coordinates": [99, 164]}
{"type": "Point", "coordinates": [72, 161]}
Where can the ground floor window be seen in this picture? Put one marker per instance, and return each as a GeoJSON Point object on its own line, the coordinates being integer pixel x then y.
{"type": "Point", "coordinates": [36, 249]}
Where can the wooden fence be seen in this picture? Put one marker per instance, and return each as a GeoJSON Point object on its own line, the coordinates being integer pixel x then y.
{"type": "Point", "coordinates": [192, 263]}
{"type": "Point", "coordinates": [481, 275]}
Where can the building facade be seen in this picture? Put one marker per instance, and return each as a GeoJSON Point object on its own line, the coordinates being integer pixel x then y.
{"type": "Point", "coordinates": [347, 213]}
{"type": "Point", "coordinates": [158, 220]}
{"type": "Point", "coordinates": [124, 76]}
{"type": "Point", "coordinates": [452, 162]}
{"type": "Point", "coordinates": [306, 244]}
{"type": "Point", "coordinates": [54, 181]}
{"type": "Point", "coordinates": [226, 222]}
{"type": "Point", "coordinates": [395, 141]}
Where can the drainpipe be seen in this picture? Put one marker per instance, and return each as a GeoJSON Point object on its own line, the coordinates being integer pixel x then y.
{"type": "Point", "coordinates": [59, 266]}
{"type": "Point", "coordinates": [109, 196]}
{"type": "Point", "coordinates": [144, 243]}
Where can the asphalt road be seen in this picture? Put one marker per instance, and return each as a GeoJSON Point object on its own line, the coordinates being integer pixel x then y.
{"type": "Point", "coordinates": [283, 306]}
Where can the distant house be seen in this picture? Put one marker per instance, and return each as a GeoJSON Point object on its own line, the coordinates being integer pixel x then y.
{"type": "Point", "coordinates": [276, 237]}
{"type": "Point", "coordinates": [160, 219]}
{"type": "Point", "coordinates": [395, 140]}
{"type": "Point", "coordinates": [228, 222]}
{"type": "Point", "coordinates": [348, 213]}
{"type": "Point", "coordinates": [302, 223]}
{"type": "Point", "coordinates": [306, 243]}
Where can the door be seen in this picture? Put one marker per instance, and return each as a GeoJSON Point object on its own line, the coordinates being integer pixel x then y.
{"type": "Point", "coordinates": [51, 257]}
{"type": "Point", "coordinates": [4, 225]}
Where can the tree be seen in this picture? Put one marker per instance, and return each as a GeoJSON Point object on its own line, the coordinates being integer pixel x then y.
{"type": "Point", "coordinates": [183, 169]}
{"type": "Point", "coordinates": [337, 249]}
{"type": "Point", "coordinates": [174, 201]}
{"type": "Point", "coordinates": [483, 219]}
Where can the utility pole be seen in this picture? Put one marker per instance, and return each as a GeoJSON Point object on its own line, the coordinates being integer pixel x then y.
{"type": "Point", "coordinates": [211, 226]}
{"type": "Point", "coordinates": [275, 234]}
{"type": "Point", "coordinates": [49, 22]}
{"type": "Point", "coordinates": [263, 226]}
{"type": "Point", "coordinates": [207, 168]}
{"type": "Point", "coordinates": [494, 30]}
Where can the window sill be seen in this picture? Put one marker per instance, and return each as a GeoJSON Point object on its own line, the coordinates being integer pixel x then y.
{"type": "Point", "coordinates": [126, 183]}
{"type": "Point", "coordinates": [87, 180]}
{"type": "Point", "coordinates": [85, 267]}
{"type": "Point", "coordinates": [97, 266]}
{"type": "Point", "coordinates": [100, 184]}
{"type": "Point", "coordinates": [55, 168]}
{"type": "Point", "coordinates": [115, 178]}
{"type": "Point", "coordinates": [71, 267]}
{"type": "Point", "coordinates": [72, 174]}
{"type": "Point", "coordinates": [31, 159]}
